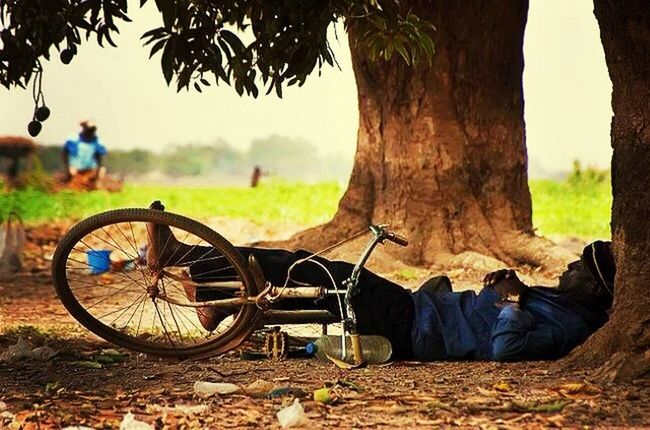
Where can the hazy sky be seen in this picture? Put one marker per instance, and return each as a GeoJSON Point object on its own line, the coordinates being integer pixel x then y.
{"type": "Point", "coordinates": [566, 87]}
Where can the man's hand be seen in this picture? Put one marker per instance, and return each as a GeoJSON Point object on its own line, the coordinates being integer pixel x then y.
{"type": "Point", "coordinates": [492, 278]}
{"type": "Point", "coordinates": [506, 284]}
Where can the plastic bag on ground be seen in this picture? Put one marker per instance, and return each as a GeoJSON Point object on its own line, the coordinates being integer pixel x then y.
{"type": "Point", "coordinates": [130, 423]}
{"type": "Point", "coordinates": [23, 349]}
{"type": "Point", "coordinates": [12, 242]}
{"type": "Point", "coordinates": [207, 389]}
{"type": "Point", "coordinates": [180, 409]}
{"type": "Point", "coordinates": [293, 415]}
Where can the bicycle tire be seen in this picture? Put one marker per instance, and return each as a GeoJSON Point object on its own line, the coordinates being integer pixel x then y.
{"type": "Point", "coordinates": [244, 324]}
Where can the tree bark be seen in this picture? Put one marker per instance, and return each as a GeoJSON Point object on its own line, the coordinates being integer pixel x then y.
{"type": "Point", "coordinates": [622, 346]}
{"type": "Point", "coordinates": [441, 151]}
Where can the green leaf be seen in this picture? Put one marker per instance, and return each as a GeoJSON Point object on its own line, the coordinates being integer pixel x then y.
{"type": "Point", "coordinates": [322, 395]}
{"type": "Point", "coordinates": [166, 62]}
{"type": "Point", "coordinates": [235, 43]}
{"type": "Point", "coordinates": [239, 87]}
{"type": "Point", "coordinates": [388, 52]}
{"type": "Point", "coordinates": [87, 364]}
{"type": "Point", "coordinates": [155, 33]}
{"type": "Point", "coordinates": [403, 53]}
{"type": "Point", "coordinates": [225, 48]}
{"type": "Point", "coordinates": [168, 10]}
{"type": "Point", "coordinates": [157, 47]}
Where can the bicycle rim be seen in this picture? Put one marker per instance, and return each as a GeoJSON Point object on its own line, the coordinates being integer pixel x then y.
{"type": "Point", "coordinates": [103, 279]}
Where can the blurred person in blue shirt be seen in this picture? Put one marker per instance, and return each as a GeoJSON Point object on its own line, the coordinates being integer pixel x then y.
{"type": "Point", "coordinates": [505, 321]}
{"type": "Point", "coordinates": [83, 153]}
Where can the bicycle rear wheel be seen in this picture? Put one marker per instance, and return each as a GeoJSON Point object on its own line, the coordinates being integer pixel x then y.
{"type": "Point", "coordinates": [103, 279]}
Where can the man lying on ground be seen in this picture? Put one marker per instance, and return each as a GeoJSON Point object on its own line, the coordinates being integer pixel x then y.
{"type": "Point", "coordinates": [506, 321]}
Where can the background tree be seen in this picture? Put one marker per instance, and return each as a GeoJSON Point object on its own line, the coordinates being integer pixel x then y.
{"type": "Point", "coordinates": [441, 151]}
{"type": "Point", "coordinates": [622, 347]}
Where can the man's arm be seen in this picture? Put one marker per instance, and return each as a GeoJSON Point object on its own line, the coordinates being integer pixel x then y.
{"type": "Point", "coordinates": [517, 336]}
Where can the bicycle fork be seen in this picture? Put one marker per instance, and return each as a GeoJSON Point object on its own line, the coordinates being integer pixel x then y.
{"type": "Point", "coordinates": [352, 287]}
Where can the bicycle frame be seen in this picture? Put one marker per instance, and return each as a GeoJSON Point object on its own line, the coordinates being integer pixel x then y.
{"type": "Point", "coordinates": [269, 294]}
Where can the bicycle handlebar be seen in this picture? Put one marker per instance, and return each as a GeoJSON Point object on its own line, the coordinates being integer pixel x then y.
{"type": "Point", "coordinates": [396, 238]}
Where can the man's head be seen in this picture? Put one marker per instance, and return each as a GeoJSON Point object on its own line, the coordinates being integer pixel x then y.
{"type": "Point", "coordinates": [88, 129]}
{"type": "Point", "coordinates": [590, 280]}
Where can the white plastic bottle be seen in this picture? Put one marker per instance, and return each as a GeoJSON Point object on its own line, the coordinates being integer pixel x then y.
{"type": "Point", "coordinates": [376, 349]}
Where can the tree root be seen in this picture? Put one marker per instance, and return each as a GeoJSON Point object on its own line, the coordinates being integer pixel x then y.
{"type": "Point", "coordinates": [615, 355]}
{"type": "Point", "coordinates": [624, 367]}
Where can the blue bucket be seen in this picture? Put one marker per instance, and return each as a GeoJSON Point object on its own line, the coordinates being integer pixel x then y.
{"type": "Point", "coordinates": [99, 261]}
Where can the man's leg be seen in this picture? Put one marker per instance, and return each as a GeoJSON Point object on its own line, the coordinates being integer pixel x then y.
{"type": "Point", "coordinates": [381, 306]}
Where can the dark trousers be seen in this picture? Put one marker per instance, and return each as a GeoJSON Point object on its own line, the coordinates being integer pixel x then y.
{"type": "Point", "coordinates": [381, 306]}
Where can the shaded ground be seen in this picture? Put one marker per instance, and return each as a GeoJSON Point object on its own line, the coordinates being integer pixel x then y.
{"type": "Point", "coordinates": [64, 391]}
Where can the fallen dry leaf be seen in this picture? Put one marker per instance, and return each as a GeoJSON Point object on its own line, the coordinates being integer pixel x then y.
{"type": "Point", "coordinates": [502, 387]}
{"type": "Point", "coordinates": [578, 390]}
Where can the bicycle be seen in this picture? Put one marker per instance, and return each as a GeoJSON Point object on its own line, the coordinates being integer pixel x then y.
{"type": "Point", "coordinates": [108, 282]}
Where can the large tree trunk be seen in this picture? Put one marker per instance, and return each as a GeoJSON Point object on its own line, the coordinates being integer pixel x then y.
{"type": "Point", "coordinates": [622, 347]}
{"type": "Point", "coordinates": [441, 151]}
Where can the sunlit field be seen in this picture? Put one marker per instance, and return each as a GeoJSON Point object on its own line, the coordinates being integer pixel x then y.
{"type": "Point", "coordinates": [291, 202]}
{"type": "Point", "coordinates": [572, 209]}
{"type": "Point", "coordinates": [578, 209]}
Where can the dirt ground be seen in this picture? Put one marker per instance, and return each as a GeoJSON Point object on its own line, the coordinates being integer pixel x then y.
{"type": "Point", "coordinates": [63, 389]}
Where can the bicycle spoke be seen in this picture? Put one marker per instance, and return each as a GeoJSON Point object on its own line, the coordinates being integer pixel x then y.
{"type": "Point", "coordinates": [106, 298]}
{"type": "Point", "coordinates": [116, 244]}
{"type": "Point", "coordinates": [134, 246]}
{"type": "Point", "coordinates": [169, 306]}
{"type": "Point", "coordinates": [167, 262]}
{"type": "Point", "coordinates": [121, 273]}
{"type": "Point", "coordinates": [182, 315]}
{"type": "Point", "coordinates": [213, 271]}
{"type": "Point", "coordinates": [164, 327]}
{"type": "Point", "coordinates": [144, 297]}
{"type": "Point", "coordinates": [189, 319]}
{"type": "Point", "coordinates": [124, 308]}
{"type": "Point", "coordinates": [144, 305]}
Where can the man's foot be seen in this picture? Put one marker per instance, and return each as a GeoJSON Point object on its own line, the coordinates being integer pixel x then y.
{"type": "Point", "coordinates": [162, 245]}
{"type": "Point", "coordinates": [164, 250]}
{"type": "Point", "coordinates": [210, 317]}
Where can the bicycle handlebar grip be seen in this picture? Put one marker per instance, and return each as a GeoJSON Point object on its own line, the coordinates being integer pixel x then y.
{"type": "Point", "coordinates": [396, 238]}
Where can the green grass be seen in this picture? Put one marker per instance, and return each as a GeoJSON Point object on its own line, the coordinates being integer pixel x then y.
{"type": "Point", "coordinates": [275, 201]}
{"type": "Point", "coordinates": [572, 209]}
{"type": "Point", "coordinates": [559, 208]}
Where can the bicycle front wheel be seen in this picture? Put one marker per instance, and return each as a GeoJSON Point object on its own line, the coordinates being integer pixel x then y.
{"type": "Point", "coordinates": [106, 277]}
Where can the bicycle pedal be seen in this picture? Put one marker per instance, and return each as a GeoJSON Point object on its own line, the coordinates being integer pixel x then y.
{"type": "Point", "coordinates": [276, 345]}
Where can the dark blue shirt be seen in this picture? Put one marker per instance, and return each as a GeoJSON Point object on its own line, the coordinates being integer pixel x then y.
{"type": "Point", "coordinates": [466, 325]}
